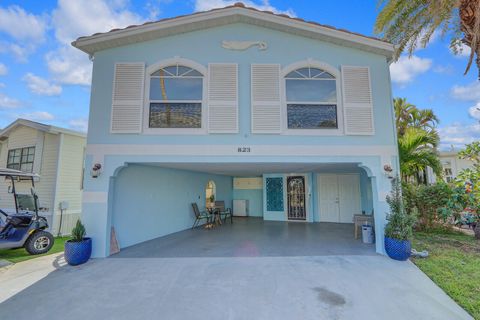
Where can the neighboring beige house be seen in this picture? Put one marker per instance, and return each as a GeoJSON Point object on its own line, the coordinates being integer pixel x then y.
{"type": "Point", "coordinates": [56, 155]}
{"type": "Point", "coordinates": [452, 165]}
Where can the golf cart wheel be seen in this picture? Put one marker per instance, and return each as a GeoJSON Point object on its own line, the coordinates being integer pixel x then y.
{"type": "Point", "coordinates": [39, 242]}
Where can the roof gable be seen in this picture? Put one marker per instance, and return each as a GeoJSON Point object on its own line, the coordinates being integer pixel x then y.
{"type": "Point", "coordinates": [37, 126]}
{"type": "Point", "coordinates": [228, 15]}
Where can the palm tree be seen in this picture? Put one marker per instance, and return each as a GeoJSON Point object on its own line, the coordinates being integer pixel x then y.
{"type": "Point", "coordinates": [417, 151]}
{"type": "Point", "coordinates": [417, 139]}
{"type": "Point", "coordinates": [403, 114]}
{"type": "Point", "coordinates": [411, 23]}
{"type": "Point", "coordinates": [408, 115]}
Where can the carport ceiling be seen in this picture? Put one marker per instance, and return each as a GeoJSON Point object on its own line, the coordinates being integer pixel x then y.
{"type": "Point", "coordinates": [257, 169]}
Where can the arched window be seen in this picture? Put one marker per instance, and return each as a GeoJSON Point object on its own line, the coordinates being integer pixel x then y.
{"type": "Point", "coordinates": [210, 193]}
{"type": "Point", "coordinates": [311, 96]}
{"type": "Point", "coordinates": [176, 94]}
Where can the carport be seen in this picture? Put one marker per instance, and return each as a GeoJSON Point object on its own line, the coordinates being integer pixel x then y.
{"type": "Point", "coordinates": [151, 210]}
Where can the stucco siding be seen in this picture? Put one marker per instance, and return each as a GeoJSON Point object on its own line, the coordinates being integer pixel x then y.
{"type": "Point", "coordinates": [150, 202]}
{"type": "Point", "coordinates": [137, 193]}
{"type": "Point", "coordinates": [207, 44]}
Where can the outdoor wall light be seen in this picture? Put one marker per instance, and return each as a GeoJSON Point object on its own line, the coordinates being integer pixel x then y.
{"type": "Point", "coordinates": [96, 170]}
{"type": "Point", "coordinates": [388, 171]}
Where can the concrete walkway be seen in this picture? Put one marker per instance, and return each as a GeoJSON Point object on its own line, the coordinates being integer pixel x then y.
{"type": "Point", "coordinates": [311, 287]}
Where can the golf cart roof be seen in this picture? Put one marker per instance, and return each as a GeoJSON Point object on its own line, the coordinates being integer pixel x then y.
{"type": "Point", "coordinates": [4, 172]}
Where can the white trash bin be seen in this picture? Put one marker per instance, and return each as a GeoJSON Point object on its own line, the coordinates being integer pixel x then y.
{"type": "Point", "coordinates": [367, 234]}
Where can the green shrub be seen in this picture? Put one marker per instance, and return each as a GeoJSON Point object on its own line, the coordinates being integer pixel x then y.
{"type": "Point", "coordinates": [78, 232]}
{"type": "Point", "coordinates": [432, 203]}
{"type": "Point", "coordinates": [400, 223]}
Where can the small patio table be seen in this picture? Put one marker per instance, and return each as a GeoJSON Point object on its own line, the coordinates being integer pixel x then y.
{"type": "Point", "coordinates": [360, 219]}
{"type": "Point", "coordinates": [216, 214]}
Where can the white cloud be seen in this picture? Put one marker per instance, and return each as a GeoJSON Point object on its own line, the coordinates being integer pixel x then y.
{"type": "Point", "coordinates": [72, 19]}
{"type": "Point", "coordinates": [25, 29]}
{"type": "Point", "coordinates": [474, 111]}
{"type": "Point", "coordinates": [9, 103]}
{"type": "Point", "coordinates": [70, 66]}
{"type": "Point", "coordinates": [406, 69]}
{"type": "Point", "coordinates": [2, 85]}
{"type": "Point", "coordinates": [463, 51]}
{"type": "Point", "coordinates": [79, 124]}
{"type": "Point", "coordinates": [37, 116]}
{"type": "Point", "coordinates": [3, 69]}
{"type": "Point", "coordinates": [204, 5]}
{"type": "Point", "coordinates": [469, 92]}
{"type": "Point", "coordinates": [41, 86]}
{"type": "Point", "coordinates": [19, 51]}
{"type": "Point", "coordinates": [21, 25]}
{"type": "Point", "coordinates": [458, 134]}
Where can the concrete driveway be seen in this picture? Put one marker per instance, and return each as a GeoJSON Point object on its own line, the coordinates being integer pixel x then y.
{"type": "Point", "coordinates": [327, 287]}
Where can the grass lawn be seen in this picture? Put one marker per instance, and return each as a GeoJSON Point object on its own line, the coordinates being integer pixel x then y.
{"type": "Point", "coordinates": [453, 264]}
{"type": "Point", "coordinates": [17, 255]}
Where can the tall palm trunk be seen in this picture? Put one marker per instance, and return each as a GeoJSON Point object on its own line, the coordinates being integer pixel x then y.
{"type": "Point", "coordinates": [469, 11]}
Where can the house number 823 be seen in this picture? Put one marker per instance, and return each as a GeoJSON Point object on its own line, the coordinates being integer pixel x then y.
{"type": "Point", "coordinates": [243, 149]}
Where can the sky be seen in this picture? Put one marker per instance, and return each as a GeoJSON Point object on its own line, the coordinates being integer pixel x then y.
{"type": "Point", "coordinates": [43, 78]}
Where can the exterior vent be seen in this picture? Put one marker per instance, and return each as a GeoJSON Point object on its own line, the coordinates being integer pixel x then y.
{"type": "Point", "coordinates": [223, 98]}
{"type": "Point", "coordinates": [357, 100]}
{"type": "Point", "coordinates": [127, 98]}
{"type": "Point", "coordinates": [266, 106]}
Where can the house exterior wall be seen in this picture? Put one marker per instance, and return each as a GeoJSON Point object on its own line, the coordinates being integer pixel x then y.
{"type": "Point", "coordinates": [113, 151]}
{"type": "Point", "coordinates": [20, 137]}
{"type": "Point", "coordinates": [145, 208]}
{"type": "Point", "coordinates": [452, 165]}
{"type": "Point", "coordinates": [69, 184]}
{"type": "Point", "coordinates": [60, 172]}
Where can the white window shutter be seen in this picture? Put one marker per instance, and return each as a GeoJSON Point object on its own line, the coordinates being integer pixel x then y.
{"type": "Point", "coordinates": [357, 100]}
{"type": "Point", "coordinates": [127, 98]}
{"type": "Point", "coordinates": [222, 98]}
{"type": "Point", "coordinates": [266, 106]}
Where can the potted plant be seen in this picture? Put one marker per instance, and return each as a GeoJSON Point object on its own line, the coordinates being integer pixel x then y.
{"type": "Point", "coordinates": [78, 249]}
{"type": "Point", "coordinates": [399, 229]}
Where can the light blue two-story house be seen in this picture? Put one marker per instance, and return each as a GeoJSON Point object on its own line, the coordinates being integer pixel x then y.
{"type": "Point", "coordinates": [293, 116]}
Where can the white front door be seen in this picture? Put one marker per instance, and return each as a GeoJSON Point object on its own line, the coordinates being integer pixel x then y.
{"type": "Point", "coordinates": [328, 197]}
{"type": "Point", "coordinates": [349, 196]}
{"type": "Point", "coordinates": [339, 197]}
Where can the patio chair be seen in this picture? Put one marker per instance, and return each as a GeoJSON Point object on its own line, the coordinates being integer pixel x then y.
{"type": "Point", "coordinates": [199, 215]}
{"type": "Point", "coordinates": [224, 212]}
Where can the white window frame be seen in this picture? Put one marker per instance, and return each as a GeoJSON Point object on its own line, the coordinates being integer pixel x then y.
{"type": "Point", "coordinates": [310, 63]}
{"type": "Point", "coordinates": [146, 109]}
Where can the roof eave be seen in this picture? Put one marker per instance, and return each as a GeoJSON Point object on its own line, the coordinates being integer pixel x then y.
{"type": "Point", "coordinates": [92, 44]}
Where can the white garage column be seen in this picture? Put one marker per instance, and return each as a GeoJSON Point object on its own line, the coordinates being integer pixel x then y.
{"type": "Point", "coordinates": [95, 205]}
{"type": "Point", "coordinates": [381, 186]}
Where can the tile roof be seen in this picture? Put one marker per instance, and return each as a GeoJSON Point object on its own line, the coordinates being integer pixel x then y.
{"type": "Point", "coordinates": [236, 5]}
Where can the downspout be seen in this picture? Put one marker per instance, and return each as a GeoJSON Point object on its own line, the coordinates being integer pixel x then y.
{"type": "Point", "coordinates": [57, 179]}
{"type": "Point", "coordinates": [392, 118]}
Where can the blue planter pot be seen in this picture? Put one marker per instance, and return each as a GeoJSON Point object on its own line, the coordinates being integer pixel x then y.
{"type": "Point", "coordinates": [78, 252]}
{"type": "Point", "coordinates": [398, 249]}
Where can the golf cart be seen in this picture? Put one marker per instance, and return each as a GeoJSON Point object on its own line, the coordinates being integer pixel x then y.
{"type": "Point", "coordinates": [23, 227]}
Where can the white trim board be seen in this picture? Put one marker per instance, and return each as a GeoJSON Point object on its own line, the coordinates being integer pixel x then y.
{"type": "Point", "coordinates": [99, 151]}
